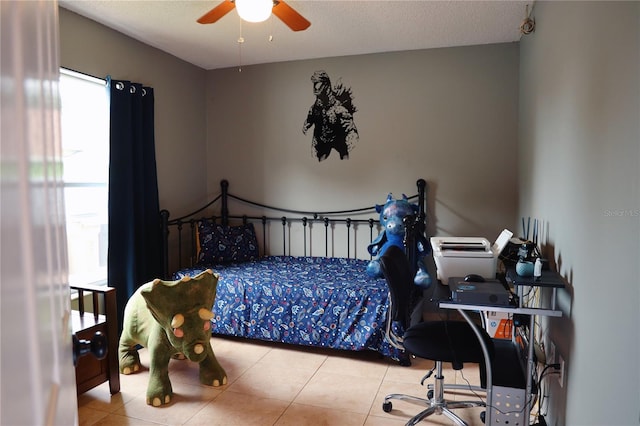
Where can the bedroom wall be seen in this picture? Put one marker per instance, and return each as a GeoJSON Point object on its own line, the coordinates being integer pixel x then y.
{"type": "Point", "coordinates": [180, 131]}
{"type": "Point", "coordinates": [446, 115]}
{"type": "Point", "coordinates": [579, 157]}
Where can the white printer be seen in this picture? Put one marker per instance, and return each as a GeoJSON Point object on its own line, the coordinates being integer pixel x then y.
{"type": "Point", "coordinates": [461, 256]}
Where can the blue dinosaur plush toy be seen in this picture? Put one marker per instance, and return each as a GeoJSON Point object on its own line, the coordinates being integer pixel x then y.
{"type": "Point", "coordinates": [392, 215]}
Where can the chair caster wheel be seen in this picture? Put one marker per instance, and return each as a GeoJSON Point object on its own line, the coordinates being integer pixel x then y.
{"type": "Point", "coordinates": [387, 407]}
{"type": "Point", "coordinates": [483, 415]}
{"type": "Point", "coordinates": [430, 394]}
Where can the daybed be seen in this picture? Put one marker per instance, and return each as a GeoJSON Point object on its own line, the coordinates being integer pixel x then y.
{"type": "Point", "coordinates": [308, 299]}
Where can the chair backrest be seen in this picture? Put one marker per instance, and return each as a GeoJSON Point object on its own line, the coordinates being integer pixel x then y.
{"type": "Point", "coordinates": [449, 341]}
{"type": "Point", "coordinates": [397, 272]}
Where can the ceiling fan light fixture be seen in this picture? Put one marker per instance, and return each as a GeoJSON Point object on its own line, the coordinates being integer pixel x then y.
{"type": "Point", "coordinates": [254, 10]}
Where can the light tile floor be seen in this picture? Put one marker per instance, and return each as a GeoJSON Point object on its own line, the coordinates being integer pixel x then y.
{"type": "Point", "coordinates": [273, 384]}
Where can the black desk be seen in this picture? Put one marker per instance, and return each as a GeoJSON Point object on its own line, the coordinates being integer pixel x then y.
{"type": "Point", "coordinates": [496, 412]}
{"type": "Point", "coordinates": [548, 279]}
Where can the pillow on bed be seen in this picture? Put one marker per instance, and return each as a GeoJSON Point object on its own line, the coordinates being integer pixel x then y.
{"type": "Point", "coordinates": [226, 244]}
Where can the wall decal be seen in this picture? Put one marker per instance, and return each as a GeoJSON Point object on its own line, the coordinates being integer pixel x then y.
{"type": "Point", "coordinates": [332, 116]}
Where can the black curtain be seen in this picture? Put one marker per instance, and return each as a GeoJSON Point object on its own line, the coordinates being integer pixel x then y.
{"type": "Point", "coordinates": [134, 214]}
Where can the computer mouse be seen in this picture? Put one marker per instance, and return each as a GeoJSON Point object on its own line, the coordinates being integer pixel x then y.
{"type": "Point", "coordinates": [475, 278]}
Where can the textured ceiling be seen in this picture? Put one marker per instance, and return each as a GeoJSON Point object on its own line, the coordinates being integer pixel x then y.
{"type": "Point", "coordinates": [338, 28]}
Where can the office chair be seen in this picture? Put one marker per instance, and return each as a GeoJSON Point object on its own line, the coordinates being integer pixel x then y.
{"type": "Point", "coordinates": [440, 341]}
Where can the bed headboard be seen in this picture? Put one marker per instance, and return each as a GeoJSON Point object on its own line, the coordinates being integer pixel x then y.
{"type": "Point", "coordinates": [284, 231]}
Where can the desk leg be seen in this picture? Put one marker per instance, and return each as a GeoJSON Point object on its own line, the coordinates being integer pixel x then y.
{"type": "Point", "coordinates": [530, 367]}
{"type": "Point", "coordinates": [487, 362]}
{"type": "Point", "coordinates": [520, 294]}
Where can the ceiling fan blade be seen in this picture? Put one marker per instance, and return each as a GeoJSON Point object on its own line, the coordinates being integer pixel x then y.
{"type": "Point", "coordinates": [217, 12]}
{"type": "Point", "coordinates": [289, 16]}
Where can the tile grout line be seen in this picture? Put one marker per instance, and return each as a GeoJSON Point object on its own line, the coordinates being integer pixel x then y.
{"type": "Point", "coordinates": [301, 389]}
{"type": "Point", "coordinates": [376, 393]}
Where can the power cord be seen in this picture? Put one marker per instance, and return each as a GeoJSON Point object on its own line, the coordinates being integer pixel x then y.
{"type": "Point", "coordinates": [528, 25]}
{"type": "Point", "coordinates": [541, 421]}
{"type": "Point", "coordinates": [540, 397]}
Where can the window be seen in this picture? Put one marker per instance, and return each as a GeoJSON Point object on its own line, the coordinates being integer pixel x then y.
{"type": "Point", "coordinates": [85, 152]}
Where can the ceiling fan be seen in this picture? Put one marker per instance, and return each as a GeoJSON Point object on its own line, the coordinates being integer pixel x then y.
{"type": "Point", "coordinates": [282, 10]}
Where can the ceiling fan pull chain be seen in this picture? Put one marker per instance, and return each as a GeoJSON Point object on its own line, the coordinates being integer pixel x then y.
{"type": "Point", "coordinates": [240, 43]}
{"type": "Point", "coordinates": [271, 26]}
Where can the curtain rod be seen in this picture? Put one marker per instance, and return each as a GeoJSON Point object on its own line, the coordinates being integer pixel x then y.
{"type": "Point", "coordinates": [83, 75]}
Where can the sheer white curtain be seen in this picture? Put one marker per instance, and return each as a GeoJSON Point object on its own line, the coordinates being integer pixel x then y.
{"type": "Point", "coordinates": [37, 378]}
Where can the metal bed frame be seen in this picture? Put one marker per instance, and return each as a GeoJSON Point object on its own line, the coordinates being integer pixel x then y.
{"type": "Point", "coordinates": [185, 227]}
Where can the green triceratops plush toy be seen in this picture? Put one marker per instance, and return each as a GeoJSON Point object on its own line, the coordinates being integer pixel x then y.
{"type": "Point", "coordinates": [171, 318]}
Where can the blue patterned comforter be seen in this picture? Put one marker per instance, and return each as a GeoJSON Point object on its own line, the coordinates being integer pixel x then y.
{"type": "Point", "coordinates": [313, 301]}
